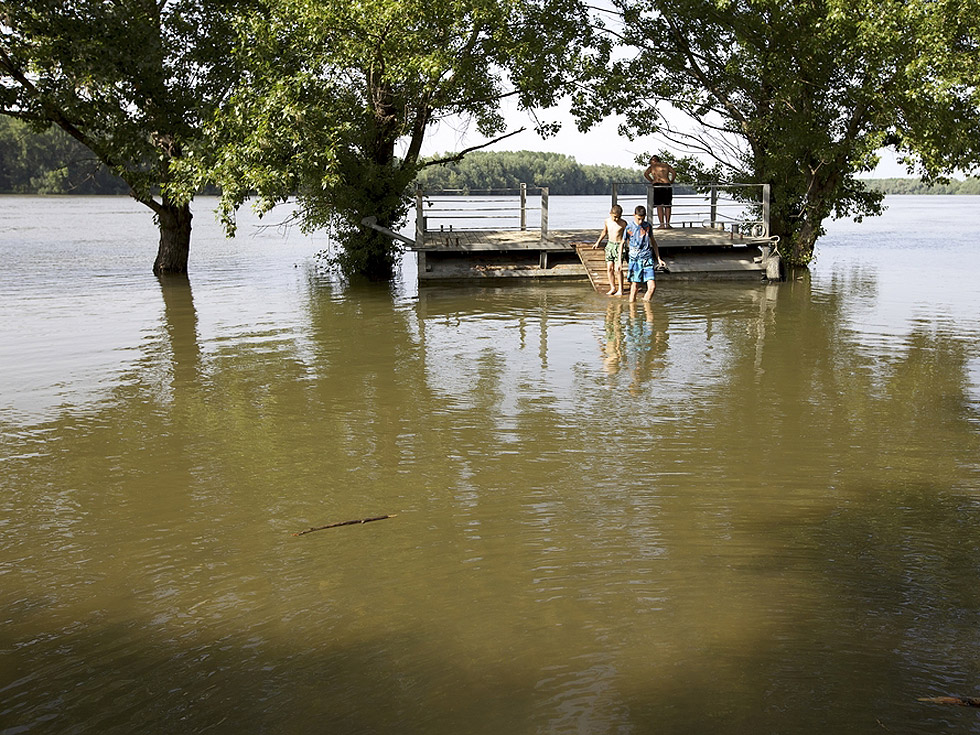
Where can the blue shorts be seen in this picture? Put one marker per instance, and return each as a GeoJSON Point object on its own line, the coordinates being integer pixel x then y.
{"type": "Point", "coordinates": [641, 270]}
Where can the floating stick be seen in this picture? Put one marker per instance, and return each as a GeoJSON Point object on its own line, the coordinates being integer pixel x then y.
{"type": "Point", "coordinates": [960, 701]}
{"type": "Point", "coordinates": [344, 523]}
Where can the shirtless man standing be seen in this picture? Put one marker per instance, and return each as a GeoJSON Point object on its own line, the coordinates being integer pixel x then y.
{"type": "Point", "coordinates": [661, 175]}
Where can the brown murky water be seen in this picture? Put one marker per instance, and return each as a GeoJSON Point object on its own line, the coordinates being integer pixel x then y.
{"type": "Point", "coordinates": [747, 509]}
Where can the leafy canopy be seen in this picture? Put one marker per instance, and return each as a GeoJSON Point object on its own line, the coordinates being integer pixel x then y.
{"type": "Point", "coordinates": [798, 94]}
{"type": "Point", "coordinates": [338, 96]}
{"type": "Point", "coordinates": [133, 80]}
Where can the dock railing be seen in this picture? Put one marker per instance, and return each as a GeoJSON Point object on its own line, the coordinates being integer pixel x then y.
{"type": "Point", "coordinates": [741, 208]}
{"type": "Point", "coordinates": [479, 209]}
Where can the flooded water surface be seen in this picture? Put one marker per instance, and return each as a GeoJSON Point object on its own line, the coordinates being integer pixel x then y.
{"type": "Point", "coordinates": [748, 508]}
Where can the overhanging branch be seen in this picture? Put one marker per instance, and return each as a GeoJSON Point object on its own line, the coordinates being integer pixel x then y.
{"type": "Point", "coordinates": [457, 157]}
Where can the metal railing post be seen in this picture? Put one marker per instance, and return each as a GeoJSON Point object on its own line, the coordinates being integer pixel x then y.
{"type": "Point", "coordinates": [544, 211]}
{"type": "Point", "coordinates": [419, 218]}
{"type": "Point", "coordinates": [523, 207]}
{"type": "Point", "coordinates": [765, 208]}
{"type": "Point", "coordinates": [714, 206]}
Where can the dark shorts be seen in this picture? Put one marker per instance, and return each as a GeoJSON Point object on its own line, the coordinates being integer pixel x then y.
{"type": "Point", "coordinates": [663, 195]}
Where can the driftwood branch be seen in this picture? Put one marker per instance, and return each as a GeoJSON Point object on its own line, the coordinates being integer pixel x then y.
{"type": "Point", "coordinates": [344, 523]}
{"type": "Point", "coordinates": [960, 701]}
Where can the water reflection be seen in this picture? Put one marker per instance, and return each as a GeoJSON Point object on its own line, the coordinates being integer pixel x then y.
{"type": "Point", "coordinates": [730, 509]}
{"type": "Point", "coordinates": [180, 322]}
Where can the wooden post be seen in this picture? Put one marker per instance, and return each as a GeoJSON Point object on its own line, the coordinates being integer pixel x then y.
{"type": "Point", "coordinates": [765, 209]}
{"type": "Point", "coordinates": [615, 194]}
{"type": "Point", "coordinates": [523, 207]}
{"type": "Point", "coordinates": [772, 267]}
{"type": "Point", "coordinates": [714, 206]}
{"type": "Point", "coordinates": [419, 218]}
{"type": "Point", "coordinates": [544, 212]}
{"type": "Point", "coordinates": [650, 207]}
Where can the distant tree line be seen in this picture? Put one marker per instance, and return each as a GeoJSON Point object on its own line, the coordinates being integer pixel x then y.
{"type": "Point", "coordinates": [562, 174]}
{"type": "Point", "coordinates": [915, 186]}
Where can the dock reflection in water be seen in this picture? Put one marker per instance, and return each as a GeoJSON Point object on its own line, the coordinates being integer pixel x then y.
{"type": "Point", "coordinates": [749, 508]}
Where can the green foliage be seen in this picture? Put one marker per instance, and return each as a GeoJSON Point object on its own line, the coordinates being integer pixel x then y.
{"type": "Point", "coordinates": [133, 81]}
{"type": "Point", "coordinates": [337, 97]}
{"type": "Point", "coordinates": [800, 95]}
{"type": "Point", "coordinates": [560, 173]}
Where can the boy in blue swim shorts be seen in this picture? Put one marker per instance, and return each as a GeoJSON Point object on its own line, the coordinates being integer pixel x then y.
{"type": "Point", "coordinates": [644, 254]}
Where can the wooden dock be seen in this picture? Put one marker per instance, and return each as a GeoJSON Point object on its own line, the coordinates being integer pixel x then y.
{"type": "Point", "coordinates": [733, 250]}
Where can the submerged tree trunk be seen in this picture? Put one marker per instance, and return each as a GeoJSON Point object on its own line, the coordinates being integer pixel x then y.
{"type": "Point", "coordinates": [375, 186]}
{"type": "Point", "coordinates": [175, 238]}
{"type": "Point", "coordinates": [799, 208]}
{"type": "Point", "coordinates": [378, 255]}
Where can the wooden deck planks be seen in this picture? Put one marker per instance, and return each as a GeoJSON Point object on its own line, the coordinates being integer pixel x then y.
{"type": "Point", "coordinates": [472, 240]}
{"type": "Point", "coordinates": [690, 252]}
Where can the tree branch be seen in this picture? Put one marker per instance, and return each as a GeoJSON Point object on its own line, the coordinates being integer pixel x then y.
{"type": "Point", "coordinates": [457, 157]}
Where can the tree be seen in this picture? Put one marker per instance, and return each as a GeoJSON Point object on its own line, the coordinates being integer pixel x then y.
{"type": "Point", "coordinates": [799, 94]}
{"type": "Point", "coordinates": [132, 80]}
{"type": "Point", "coordinates": [338, 96]}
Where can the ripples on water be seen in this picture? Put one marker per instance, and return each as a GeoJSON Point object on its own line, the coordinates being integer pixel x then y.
{"type": "Point", "coordinates": [748, 508]}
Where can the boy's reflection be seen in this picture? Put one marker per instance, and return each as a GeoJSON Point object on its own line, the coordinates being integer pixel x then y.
{"type": "Point", "coordinates": [612, 350]}
{"type": "Point", "coordinates": [634, 345]}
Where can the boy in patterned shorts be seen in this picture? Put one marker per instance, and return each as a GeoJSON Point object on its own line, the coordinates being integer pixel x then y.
{"type": "Point", "coordinates": [613, 230]}
{"type": "Point", "coordinates": [644, 254]}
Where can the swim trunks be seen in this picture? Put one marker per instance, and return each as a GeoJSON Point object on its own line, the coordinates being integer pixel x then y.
{"type": "Point", "coordinates": [663, 195]}
{"type": "Point", "coordinates": [612, 252]}
{"type": "Point", "coordinates": [641, 270]}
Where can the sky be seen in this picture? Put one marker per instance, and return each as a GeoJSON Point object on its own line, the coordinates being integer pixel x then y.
{"type": "Point", "coordinates": [602, 144]}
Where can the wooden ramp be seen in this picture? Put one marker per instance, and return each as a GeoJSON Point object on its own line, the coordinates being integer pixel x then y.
{"type": "Point", "coordinates": [594, 261]}
{"type": "Point", "coordinates": [687, 261]}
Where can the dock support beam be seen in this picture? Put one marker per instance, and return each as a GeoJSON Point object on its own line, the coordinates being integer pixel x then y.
{"type": "Point", "coordinates": [765, 207]}
{"type": "Point", "coordinates": [523, 207]}
{"type": "Point", "coordinates": [544, 212]}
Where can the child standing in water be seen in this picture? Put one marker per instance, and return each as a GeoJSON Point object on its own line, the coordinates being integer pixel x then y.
{"type": "Point", "coordinates": [613, 230]}
{"type": "Point", "coordinates": [643, 252]}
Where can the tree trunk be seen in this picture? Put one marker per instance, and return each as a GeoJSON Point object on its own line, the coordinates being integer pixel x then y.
{"type": "Point", "coordinates": [803, 242]}
{"type": "Point", "coordinates": [175, 238]}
